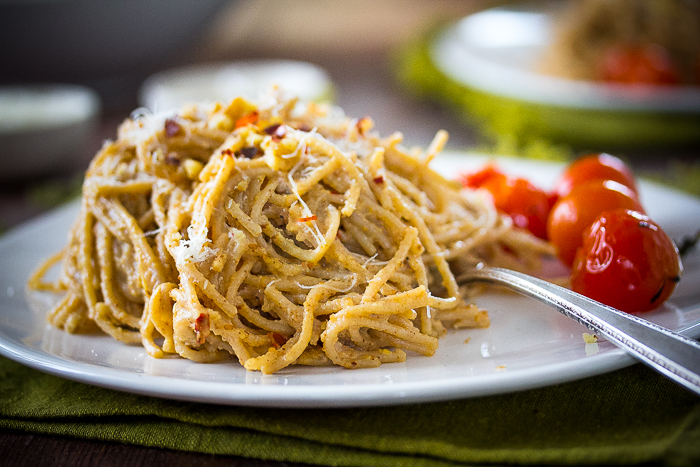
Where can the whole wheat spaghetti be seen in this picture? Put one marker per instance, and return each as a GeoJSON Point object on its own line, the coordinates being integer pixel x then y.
{"type": "Point", "coordinates": [278, 233]}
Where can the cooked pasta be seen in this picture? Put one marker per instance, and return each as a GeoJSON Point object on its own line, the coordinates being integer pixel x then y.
{"type": "Point", "coordinates": [276, 233]}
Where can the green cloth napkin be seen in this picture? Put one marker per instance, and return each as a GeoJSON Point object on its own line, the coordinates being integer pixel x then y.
{"type": "Point", "coordinates": [630, 416]}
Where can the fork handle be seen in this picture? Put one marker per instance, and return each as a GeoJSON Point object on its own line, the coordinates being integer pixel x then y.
{"type": "Point", "coordinates": [672, 354]}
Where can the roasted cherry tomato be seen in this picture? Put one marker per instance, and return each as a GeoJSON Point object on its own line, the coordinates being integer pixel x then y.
{"type": "Point", "coordinates": [574, 213]}
{"type": "Point", "coordinates": [596, 166]}
{"type": "Point", "coordinates": [649, 64]}
{"type": "Point", "coordinates": [525, 203]}
{"type": "Point", "coordinates": [627, 261]}
{"type": "Point", "coordinates": [477, 179]}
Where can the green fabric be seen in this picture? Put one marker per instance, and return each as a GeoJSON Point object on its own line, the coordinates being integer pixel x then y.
{"type": "Point", "coordinates": [631, 416]}
{"type": "Point", "coordinates": [529, 123]}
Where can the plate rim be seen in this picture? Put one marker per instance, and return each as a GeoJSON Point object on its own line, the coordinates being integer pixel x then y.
{"type": "Point", "coordinates": [455, 58]}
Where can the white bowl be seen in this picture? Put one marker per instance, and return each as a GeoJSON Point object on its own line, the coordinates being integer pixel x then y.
{"type": "Point", "coordinates": [223, 81]}
{"type": "Point", "coordinates": [45, 128]}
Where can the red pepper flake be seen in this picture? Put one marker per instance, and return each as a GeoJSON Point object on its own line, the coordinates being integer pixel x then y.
{"type": "Point", "coordinates": [307, 219]}
{"type": "Point", "coordinates": [249, 152]}
{"type": "Point", "coordinates": [248, 119]}
{"type": "Point", "coordinates": [172, 128]}
{"type": "Point", "coordinates": [272, 128]}
{"type": "Point", "coordinates": [277, 339]}
{"type": "Point", "coordinates": [172, 159]}
{"type": "Point", "coordinates": [277, 131]}
{"type": "Point", "coordinates": [201, 327]}
{"type": "Point", "coordinates": [507, 249]}
{"type": "Point", "coordinates": [379, 179]}
{"type": "Point", "coordinates": [227, 152]}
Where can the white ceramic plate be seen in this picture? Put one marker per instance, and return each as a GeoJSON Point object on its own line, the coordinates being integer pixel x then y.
{"type": "Point", "coordinates": [498, 50]}
{"type": "Point", "coordinates": [528, 345]}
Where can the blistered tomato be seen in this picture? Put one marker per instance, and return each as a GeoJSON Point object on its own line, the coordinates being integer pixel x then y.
{"type": "Point", "coordinates": [596, 166]}
{"type": "Point", "coordinates": [627, 261]}
{"type": "Point", "coordinates": [525, 203]}
{"type": "Point", "coordinates": [574, 213]}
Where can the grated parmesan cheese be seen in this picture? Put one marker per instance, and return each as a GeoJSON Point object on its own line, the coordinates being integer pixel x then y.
{"type": "Point", "coordinates": [195, 249]}
{"type": "Point", "coordinates": [144, 125]}
{"type": "Point", "coordinates": [315, 231]}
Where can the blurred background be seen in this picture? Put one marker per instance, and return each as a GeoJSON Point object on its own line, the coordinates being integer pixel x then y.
{"type": "Point", "coordinates": [541, 79]}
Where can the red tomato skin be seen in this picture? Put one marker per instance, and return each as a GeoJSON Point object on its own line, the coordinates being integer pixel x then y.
{"type": "Point", "coordinates": [527, 205]}
{"type": "Point", "coordinates": [594, 166]}
{"type": "Point", "coordinates": [575, 212]}
{"type": "Point", "coordinates": [477, 179]}
{"type": "Point", "coordinates": [648, 64]}
{"type": "Point", "coordinates": [627, 261]}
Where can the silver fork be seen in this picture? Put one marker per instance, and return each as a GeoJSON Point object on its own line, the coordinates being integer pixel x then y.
{"type": "Point", "coordinates": [671, 354]}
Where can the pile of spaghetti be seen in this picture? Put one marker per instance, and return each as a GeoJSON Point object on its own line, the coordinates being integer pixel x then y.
{"type": "Point", "coordinates": [278, 232]}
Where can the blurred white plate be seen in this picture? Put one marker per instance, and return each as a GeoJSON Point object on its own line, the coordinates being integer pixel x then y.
{"type": "Point", "coordinates": [497, 51]}
{"type": "Point", "coordinates": [45, 127]}
{"type": "Point", "coordinates": [527, 346]}
{"type": "Point", "coordinates": [223, 81]}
